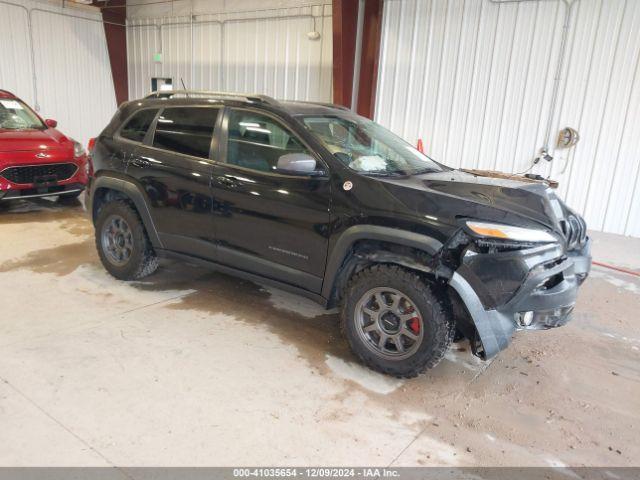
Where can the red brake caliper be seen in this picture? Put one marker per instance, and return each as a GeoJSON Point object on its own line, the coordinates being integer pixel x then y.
{"type": "Point", "coordinates": [414, 323]}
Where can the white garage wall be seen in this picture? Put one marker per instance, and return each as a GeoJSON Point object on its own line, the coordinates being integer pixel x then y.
{"type": "Point", "coordinates": [262, 51]}
{"type": "Point", "coordinates": [72, 81]}
{"type": "Point", "coordinates": [474, 80]}
{"type": "Point", "coordinates": [16, 71]}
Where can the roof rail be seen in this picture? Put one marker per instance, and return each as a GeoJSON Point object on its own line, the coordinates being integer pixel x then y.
{"type": "Point", "coordinates": [334, 105]}
{"type": "Point", "coordinates": [7, 92]}
{"type": "Point", "coordinates": [322, 104]}
{"type": "Point", "coordinates": [206, 93]}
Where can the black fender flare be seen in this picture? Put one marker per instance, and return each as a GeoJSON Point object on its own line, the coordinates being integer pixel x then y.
{"type": "Point", "coordinates": [134, 193]}
{"type": "Point", "coordinates": [371, 232]}
{"type": "Point", "coordinates": [494, 328]}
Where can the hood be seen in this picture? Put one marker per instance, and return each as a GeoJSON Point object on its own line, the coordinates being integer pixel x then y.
{"type": "Point", "coordinates": [453, 194]}
{"type": "Point", "coordinates": [32, 140]}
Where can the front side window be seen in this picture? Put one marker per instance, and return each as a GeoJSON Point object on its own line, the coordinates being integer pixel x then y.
{"type": "Point", "coordinates": [16, 115]}
{"type": "Point", "coordinates": [138, 125]}
{"type": "Point", "coordinates": [257, 141]}
{"type": "Point", "coordinates": [367, 147]}
{"type": "Point", "coordinates": [186, 130]}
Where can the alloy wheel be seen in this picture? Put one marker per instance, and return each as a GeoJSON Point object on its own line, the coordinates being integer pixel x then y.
{"type": "Point", "coordinates": [117, 240]}
{"type": "Point", "coordinates": [389, 323]}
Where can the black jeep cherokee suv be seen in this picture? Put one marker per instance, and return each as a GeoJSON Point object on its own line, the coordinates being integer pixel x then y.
{"type": "Point", "coordinates": [322, 202]}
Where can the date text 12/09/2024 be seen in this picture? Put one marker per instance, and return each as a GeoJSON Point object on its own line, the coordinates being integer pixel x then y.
{"type": "Point", "coordinates": [315, 473]}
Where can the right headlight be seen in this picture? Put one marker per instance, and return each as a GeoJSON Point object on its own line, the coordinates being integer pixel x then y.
{"type": "Point", "coordinates": [509, 232]}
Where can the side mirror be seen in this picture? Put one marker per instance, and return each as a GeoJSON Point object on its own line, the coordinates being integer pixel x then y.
{"type": "Point", "coordinates": [297, 164]}
{"type": "Point", "coordinates": [50, 123]}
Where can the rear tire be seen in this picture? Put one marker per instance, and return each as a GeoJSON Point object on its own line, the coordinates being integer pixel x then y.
{"type": "Point", "coordinates": [394, 321]}
{"type": "Point", "coordinates": [122, 243]}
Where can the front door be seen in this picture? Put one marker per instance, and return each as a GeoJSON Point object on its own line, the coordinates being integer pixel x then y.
{"type": "Point", "coordinates": [267, 222]}
{"type": "Point", "coordinates": [174, 166]}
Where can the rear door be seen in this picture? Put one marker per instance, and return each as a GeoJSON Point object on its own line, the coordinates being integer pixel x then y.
{"type": "Point", "coordinates": [267, 222]}
{"type": "Point", "coordinates": [174, 166]}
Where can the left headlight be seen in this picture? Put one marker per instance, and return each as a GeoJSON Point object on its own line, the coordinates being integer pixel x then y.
{"type": "Point", "coordinates": [78, 149]}
{"type": "Point", "coordinates": [508, 232]}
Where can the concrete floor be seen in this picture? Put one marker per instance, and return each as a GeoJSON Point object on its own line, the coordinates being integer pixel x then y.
{"type": "Point", "coordinates": [192, 367]}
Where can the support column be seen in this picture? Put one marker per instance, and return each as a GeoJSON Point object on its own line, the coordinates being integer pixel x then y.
{"type": "Point", "coordinates": [371, 35]}
{"type": "Point", "coordinates": [345, 19]}
{"type": "Point", "coordinates": [114, 16]}
{"type": "Point", "coordinates": [345, 23]}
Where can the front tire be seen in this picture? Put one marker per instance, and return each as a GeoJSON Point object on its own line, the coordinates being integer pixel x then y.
{"type": "Point", "coordinates": [394, 321]}
{"type": "Point", "coordinates": [123, 246]}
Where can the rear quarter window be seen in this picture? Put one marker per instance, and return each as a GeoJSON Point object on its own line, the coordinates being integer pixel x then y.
{"type": "Point", "coordinates": [137, 126]}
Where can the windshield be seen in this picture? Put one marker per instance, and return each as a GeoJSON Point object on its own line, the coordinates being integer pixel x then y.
{"type": "Point", "coordinates": [367, 147]}
{"type": "Point", "coordinates": [15, 115]}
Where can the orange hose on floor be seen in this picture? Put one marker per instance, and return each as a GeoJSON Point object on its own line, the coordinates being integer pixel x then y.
{"type": "Point", "coordinates": [618, 269]}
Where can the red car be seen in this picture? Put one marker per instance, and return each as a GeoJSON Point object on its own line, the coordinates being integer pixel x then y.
{"type": "Point", "coordinates": [36, 160]}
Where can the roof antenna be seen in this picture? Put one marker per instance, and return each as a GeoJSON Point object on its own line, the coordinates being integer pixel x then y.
{"type": "Point", "coordinates": [184, 86]}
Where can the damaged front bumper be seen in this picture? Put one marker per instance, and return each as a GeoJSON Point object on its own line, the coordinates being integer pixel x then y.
{"type": "Point", "coordinates": [547, 280]}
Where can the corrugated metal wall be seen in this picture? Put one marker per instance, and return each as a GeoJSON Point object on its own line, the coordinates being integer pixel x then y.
{"type": "Point", "coordinates": [73, 82]}
{"type": "Point", "coordinates": [474, 80]}
{"type": "Point", "coordinates": [266, 52]}
{"type": "Point", "coordinates": [16, 71]}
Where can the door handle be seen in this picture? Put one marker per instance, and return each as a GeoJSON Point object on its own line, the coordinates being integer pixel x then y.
{"type": "Point", "coordinates": [140, 162]}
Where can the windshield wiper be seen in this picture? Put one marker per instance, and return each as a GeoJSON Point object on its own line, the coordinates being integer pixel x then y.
{"type": "Point", "coordinates": [426, 170]}
{"type": "Point", "coordinates": [383, 173]}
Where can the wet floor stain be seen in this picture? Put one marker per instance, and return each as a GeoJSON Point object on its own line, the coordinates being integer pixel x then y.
{"type": "Point", "coordinates": [61, 260]}
{"type": "Point", "coordinates": [249, 303]}
{"type": "Point", "coordinates": [41, 211]}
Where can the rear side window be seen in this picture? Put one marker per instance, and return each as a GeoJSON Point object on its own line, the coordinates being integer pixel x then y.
{"type": "Point", "coordinates": [186, 130]}
{"type": "Point", "coordinates": [136, 128]}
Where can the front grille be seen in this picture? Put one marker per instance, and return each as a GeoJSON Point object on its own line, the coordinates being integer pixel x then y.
{"type": "Point", "coordinates": [575, 231]}
{"type": "Point", "coordinates": [29, 174]}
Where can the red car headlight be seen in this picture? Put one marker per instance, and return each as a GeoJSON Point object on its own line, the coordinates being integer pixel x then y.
{"type": "Point", "coordinates": [78, 149]}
